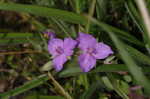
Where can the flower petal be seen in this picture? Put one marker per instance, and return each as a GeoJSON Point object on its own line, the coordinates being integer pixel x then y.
{"type": "Point", "coordinates": [69, 45]}
{"type": "Point", "coordinates": [102, 51]}
{"type": "Point", "coordinates": [53, 45]}
{"type": "Point", "coordinates": [86, 62]}
{"type": "Point", "coordinates": [86, 41]}
{"type": "Point", "coordinates": [59, 61]}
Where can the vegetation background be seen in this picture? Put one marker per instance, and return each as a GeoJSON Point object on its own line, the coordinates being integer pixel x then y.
{"type": "Point", "coordinates": [25, 65]}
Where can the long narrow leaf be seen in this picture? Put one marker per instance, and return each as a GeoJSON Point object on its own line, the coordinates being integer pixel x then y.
{"type": "Point", "coordinates": [66, 16]}
{"type": "Point", "coordinates": [88, 94]}
{"type": "Point", "coordinates": [138, 56]}
{"type": "Point", "coordinates": [121, 34]}
{"type": "Point", "coordinates": [135, 15]}
{"type": "Point", "coordinates": [27, 86]}
{"type": "Point", "coordinates": [43, 11]}
{"type": "Point", "coordinates": [73, 71]}
{"type": "Point", "coordinates": [15, 35]}
{"type": "Point", "coordinates": [132, 66]}
{"type": "Point", "coordinates": [13, 41]}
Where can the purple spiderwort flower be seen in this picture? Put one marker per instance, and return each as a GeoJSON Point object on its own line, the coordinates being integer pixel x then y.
{"type": "Point", "coordinates": [60, 51]}
{"type": "Point", "coordinates": [91, 51]}
{"type": "Point", "coordinates": [50, 34]}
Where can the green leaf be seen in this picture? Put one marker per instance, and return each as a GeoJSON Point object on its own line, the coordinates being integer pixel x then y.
{"type": "Point", "coordinates": [121, 34]}
{"type": "Point", "coordinates": [135, 15]}
{"type": "Point", "coordinates": [124, 87]}
{"type": "Point", "coordinates": [132, 66]}
{"type": "Point", "coordinates": [37, 96]}
{"type": "Point", "coordinates": [74, 71]}
{"type": "Point", "coordinates": [27, 86]}
{"type": "Point", "coordinates": [101, 9]}
{"type": "Point", "coordinates": [107, 82]}
{"type": "Point", "coordinates": [127, 78]}
{"type": "Point", "coordinates": [44, 11]}
{"type": "Point", "coordinates": [66, 16]}
{"type": "Point", "coordinates": [121, 89]}
{"type": "Point", "coordinates": [137, 55]}
{"type": "Point", "coordinates": [15, 38]}
{"type": "Point", "coordinates": [13, 41]}
{"type": "Point", "coordinates": [47, 66]}
{"type": "Point", "coordinates": [15, 35]}
{"type": "Point", "coordinates": [87, 94]}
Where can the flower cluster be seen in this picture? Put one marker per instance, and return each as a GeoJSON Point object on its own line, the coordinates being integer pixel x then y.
{"type": "Point", "coordinates": [91, 50]}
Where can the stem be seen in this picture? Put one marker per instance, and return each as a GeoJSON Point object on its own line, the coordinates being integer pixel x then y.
{"type": "Point", "coordinates": [90, 14]}
{"type": "Point", "coordinates": [57, 85]}
{"type": "Point", "coordinates": [145, 15]}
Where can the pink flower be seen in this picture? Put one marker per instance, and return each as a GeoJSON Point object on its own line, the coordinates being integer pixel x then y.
{"type": "Point", "coordinates": [91, 51]}
{"type": "Point", "coordinates": [60, 51]}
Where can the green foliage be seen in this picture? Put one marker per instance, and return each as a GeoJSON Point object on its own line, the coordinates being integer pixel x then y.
{"type": "Point", "coordinates": [43, 11]}
{"type": "Point", "coordinates": [29, 85]}
{"type": "Point", "coordinates": [111, 78]}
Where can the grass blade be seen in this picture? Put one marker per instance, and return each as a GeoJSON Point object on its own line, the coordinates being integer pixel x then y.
{"type": "Point", "coordinates": [73, 71]}
{"type": "Point", "coordinates": [132, 66]}
{"type": "Point", "coordinates": [43, 97]}
{"type": "Point", "coordinates": [27, 86]}
{"type": "Point", "coordinates": [66, 16]}
{"type": "Point", "coordinates": [13, 41]}
{"type": "Point", "coordinates": [135, 15]}
{"type": "Point", "coordinates": [138, 56]}
{"type": "Point", "coordinates": [121, 34]}
{"type": "Point", "coordinates": [45, 12]}
{"type": "Point", "coordinates": [141, 4]}
{"type": "Point", "coordinates": [15, 38]}
{"type": "Point", "coordinates": [15, 35]}
{"type": "Point", "coordinates": [87, 94]}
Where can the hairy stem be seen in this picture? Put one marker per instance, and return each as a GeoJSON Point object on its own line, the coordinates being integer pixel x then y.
{"type": "Point", "coordinates": [57, 85]}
